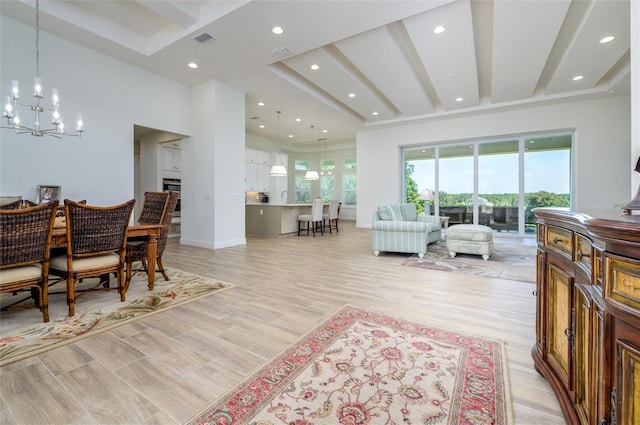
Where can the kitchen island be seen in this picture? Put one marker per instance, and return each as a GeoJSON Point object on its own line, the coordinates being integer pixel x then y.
{"type": "Point", "coordinates": [274, 220]}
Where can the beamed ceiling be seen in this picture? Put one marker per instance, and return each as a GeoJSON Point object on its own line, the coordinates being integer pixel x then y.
{"type": "Point", "coordinates": [492, 54]}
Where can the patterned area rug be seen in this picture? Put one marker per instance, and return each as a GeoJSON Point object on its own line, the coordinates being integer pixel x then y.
{"type": "Point", "coordinates": [24, 334]}
{"type": "Point", "coordinates": [365, 368]}
{"type": "Point", "coordinates": [508, 261]}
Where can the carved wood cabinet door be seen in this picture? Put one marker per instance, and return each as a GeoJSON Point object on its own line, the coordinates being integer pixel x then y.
{"type": "Point", "coordinates": [559, 322]}
{"type": "Point", "coordinates": [583, 365]}
{"type": "Point", "coordinates": [625, 395]}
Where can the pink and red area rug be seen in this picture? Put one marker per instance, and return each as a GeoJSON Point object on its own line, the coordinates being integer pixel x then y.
{"type": "Point", "coordinates": [362, 368]}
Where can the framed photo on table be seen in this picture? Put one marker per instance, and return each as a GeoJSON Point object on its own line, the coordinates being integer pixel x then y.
{"type": "Point", "coordinates": [47, 193]}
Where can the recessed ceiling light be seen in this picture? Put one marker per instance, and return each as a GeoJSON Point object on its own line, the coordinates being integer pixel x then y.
{"type": "Point", "coordinates": [607, 39]}
{"type": "Point", "coordinates": [298, 119]}
{"type": "Point", "coordinates": [325, 131]}
{"type": "Point", "coordinates": [315, 67]}
{"type": "Point", "coordinates": [261, 125]}
{"type": "Point", "coordinates": [374, 113]}
{"type": "Point", "coordinates": [291, 136]}
{"type": "Point", "coordinates": [260, 103]}
{"type": "Point", "coordinates": [439, 29]}
{"type": "Point", "coordinates": [578, 77]}
{"type": "Point", "coordinates": [459, 99]}
{"type": "Point", "coordinates": [352, 95]}
{"type": "Point", "coordinates": [277, 30]}
{"type": "Point", "coordinates": [192, 65]}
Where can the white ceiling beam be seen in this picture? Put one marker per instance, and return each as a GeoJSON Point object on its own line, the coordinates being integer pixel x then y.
{"type": "Point", "coordinates": [182, 13]}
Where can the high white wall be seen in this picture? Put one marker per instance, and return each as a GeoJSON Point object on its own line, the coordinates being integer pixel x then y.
{"type": "Point", "coordinates": [111, 95]}
{"type": "Point", "coordinates": [602, 148]}
{"type": "Point", "coordinates": [213, 169]}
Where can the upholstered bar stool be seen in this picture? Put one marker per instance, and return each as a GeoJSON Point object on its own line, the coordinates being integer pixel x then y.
{"type": "Point", "coordinates": [330, 219]}
{"type": "Point", "coordinates": [313, 220]}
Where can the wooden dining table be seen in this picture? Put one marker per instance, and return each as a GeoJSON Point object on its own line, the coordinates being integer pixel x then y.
{"type": "Point", "coordinates": [152, 231]}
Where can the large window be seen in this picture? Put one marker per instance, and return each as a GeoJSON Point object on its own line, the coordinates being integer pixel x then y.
{"type": "Point", "coordinates": [303, 187]}
{"type": "Point", "coordinates": [492, 182]}
{"type": "Point", "coordinates": [327, 187]}
{"type": "Point", "coordinates": [327, 180]}
{"type": "Point", "coordinates": [349, 182]}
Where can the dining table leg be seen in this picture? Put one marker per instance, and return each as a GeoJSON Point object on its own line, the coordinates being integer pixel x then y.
{"type": "Point", "coordinates": [152, 250]}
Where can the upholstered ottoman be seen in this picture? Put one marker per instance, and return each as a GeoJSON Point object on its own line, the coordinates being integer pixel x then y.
{"type": "Point", "coordinates": [470, 239]}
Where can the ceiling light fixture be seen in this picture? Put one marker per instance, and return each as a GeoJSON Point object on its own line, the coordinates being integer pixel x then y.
{"type": "Point", "coordinates": [260, 103]}
{"type": "Point", "coordinates": [11, 107]}
{"type": "Point", "coordinates": [459, 99]}
{"type": "Point", "coordinates": [607, 39]}
{"type": "Point", "coordinates": [578, 77]}
{"type": "Point", "coordinates": [439, 29]}
{"type": "Point", "coordinates": [352, 95]}
{"type": "Point", "coordinates": [315, 67]}
{"type": "Point", "coordinates": [312, 174]}
{"type": "Point", "coordinates": [192, 65]}
{"type": "Point", "coordinates": [278, 170]}
{"type": "Point", "coordinates": [277, 30]}
{"type": "Point", "coordinates": [375, 114]}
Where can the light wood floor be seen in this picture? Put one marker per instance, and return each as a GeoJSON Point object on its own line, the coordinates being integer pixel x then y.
{"type": "Point", "coordinates": [167, 367]}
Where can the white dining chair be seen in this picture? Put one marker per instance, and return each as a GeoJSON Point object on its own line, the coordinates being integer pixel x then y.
{"type": "Point", "coordinates": [313, 220]}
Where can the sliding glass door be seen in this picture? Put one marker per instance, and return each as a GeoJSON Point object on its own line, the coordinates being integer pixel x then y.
{"type": "Point", "coordinates": [495, 183]}
{"type": "Point", "coordinates": [456, 182]}
{"type": "Point", "coordinates": [498, 200]}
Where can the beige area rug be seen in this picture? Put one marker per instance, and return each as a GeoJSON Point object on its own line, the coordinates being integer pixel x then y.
{"type": "Point", "coordinates": [508, 261]}
{"type": "Point", "coordinates": [360, 367]}
{"type": "Point", "coordinates": [24, 334]}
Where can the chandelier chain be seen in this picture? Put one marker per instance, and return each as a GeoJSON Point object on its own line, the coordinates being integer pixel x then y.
{"type": "Point", "coordinates": [38, 38]}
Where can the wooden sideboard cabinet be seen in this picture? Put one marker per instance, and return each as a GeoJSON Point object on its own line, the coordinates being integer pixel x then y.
{"type": "Point", "coordinates": [588, 315]}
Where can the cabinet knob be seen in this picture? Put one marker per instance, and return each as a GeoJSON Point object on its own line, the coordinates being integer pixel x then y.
{"type": "Point", "coordinates": [534, 293]}
{"type": "Point", "coordinates": [556, 240]}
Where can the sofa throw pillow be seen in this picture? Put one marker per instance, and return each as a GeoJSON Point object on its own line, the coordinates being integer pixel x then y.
{"type": "Point", "coordinates": [409, 212]}
{"type": "Point", "coordinates": [383, 213]}
{"type": "Point", "coordinates": [396, 212]}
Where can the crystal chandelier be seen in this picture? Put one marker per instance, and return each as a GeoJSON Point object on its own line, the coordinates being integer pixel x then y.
{"type": "Point", "coordinates": [12, 114]}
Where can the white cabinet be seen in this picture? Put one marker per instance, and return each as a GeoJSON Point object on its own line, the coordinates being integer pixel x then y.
{"type": "Point", "coordinates": [256, 177]}
{"type": "Point", "coordinates": [257, 167]}
{"type": "Point", "coordinates": [255, 156]}
{"type": "Point", "coordinates": [171, 159]}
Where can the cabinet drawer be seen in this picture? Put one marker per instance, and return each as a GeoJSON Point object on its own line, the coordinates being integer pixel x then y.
{"type": "Point", "coordinates": [622, 280]}
{"type": "Point", "coordinates": [560, 239]}
{"type": "Point", "coordinates": [582, 252]}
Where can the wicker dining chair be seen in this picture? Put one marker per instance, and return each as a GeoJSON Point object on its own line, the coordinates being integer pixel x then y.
{"type": "Point", "coordinates": [96, 241]}
{"type": "Point", "coordinates": [15, 205]}
{"type": "Point", "coordinates": [158, 208]}
{"type": "Point", "coordinates": [25, 241]}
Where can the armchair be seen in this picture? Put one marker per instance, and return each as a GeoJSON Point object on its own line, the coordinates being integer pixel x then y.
{"type": "Point", "coordinates": [398, 228]}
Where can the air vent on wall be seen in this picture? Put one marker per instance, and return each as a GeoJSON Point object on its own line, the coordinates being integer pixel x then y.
{"type": "Point", "coordinates": [204, 37]}
{"type": "Point", "coordinates": [281, 52]}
